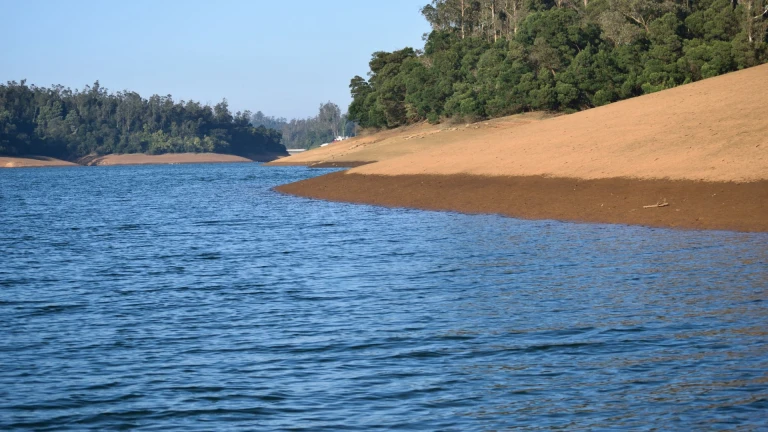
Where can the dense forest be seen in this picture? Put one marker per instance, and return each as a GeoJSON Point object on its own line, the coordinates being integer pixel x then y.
{"type": "Point", "coordinates": [328, 124]}
{"type": "Point", "coordinates": [489, 58]}
{"type": "Point", "coordinates": [69, 124]}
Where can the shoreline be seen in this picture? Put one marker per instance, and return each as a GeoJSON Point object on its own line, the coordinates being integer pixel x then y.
{"type": "Point", "coordinates": [698, 205]}
{"type": "Point", "coordinates": [31, 161]}
{"type": "Point", "coordinates": [690, 145]}
{"type": "Point", "coordinates": [163, 159]}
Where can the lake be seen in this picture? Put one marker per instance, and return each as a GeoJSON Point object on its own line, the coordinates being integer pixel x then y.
{"type": "Point", "coordinates": [193, 297]}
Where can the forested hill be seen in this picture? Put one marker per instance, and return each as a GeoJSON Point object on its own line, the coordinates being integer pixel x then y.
{"type": "Point", "coordinates": [68, 124]}
{"type": "Point", "coordinates": [489, 58]}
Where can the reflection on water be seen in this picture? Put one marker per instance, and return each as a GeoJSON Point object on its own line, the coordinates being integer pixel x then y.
{"type": "Point", "coordinates": [194, 297]}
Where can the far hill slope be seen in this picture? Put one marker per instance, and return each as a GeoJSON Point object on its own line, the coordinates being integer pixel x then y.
{"type": "Point", "coordinates": [402, 141]}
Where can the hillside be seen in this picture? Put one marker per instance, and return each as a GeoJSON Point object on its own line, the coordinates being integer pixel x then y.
{"type": "Point", "coordinates": [67, 124]}
{"type": "Point", "coordinates": [711, 130]}
{"type": "Point", "coordinates": [681, 145]}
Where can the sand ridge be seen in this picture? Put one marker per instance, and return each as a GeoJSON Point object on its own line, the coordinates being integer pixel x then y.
{"type": "Point", "coordinates": [32, 162]}
{"type": "Point", "coordinates": [132, 159]}
{"type": "Point", "coordinates": [168, 158]}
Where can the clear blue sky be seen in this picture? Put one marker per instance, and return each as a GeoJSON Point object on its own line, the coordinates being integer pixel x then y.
{"type": "Point", "coordinates": [281, 57]}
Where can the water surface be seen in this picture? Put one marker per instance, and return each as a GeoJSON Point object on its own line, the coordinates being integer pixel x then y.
{"type": "Point", "coordinates": [193, 297]}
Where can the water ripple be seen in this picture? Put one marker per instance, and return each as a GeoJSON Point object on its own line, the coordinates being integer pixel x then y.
{"type": "Point", "coordinates": [214, 303]}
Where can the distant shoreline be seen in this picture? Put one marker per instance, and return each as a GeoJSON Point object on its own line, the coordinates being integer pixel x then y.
{"type": "Point", "coordinates": [29, 161]}
{"type": "Point", "coordinates": [131, 159]}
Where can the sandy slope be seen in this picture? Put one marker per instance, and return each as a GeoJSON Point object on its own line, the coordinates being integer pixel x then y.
{"type": "Point", "coordinates": [714, 130]}
{"type": "Point", "coordinates": [32, 162]}
{"type": "Point", "coordinates": [702, 148]}
{"type": "Point", "coordinates": [403, 141]}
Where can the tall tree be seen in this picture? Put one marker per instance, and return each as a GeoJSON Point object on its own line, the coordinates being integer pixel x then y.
{"type": "Point", "coordinates": [487, 58]}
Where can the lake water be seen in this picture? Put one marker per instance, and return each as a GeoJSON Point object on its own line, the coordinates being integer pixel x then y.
{"type": "Point", "coordinates": [193, 297]}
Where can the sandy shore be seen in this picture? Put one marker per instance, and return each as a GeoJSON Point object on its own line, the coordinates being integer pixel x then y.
{"type": "Point", "coordinates": [702, 147]}
{"type": "Point", "coordinates": [691, 204]}
{"type": "Point", "coordinates": [32, 162]}
{"type": "Point", "coordinates": [164, 159]}
{"type": "Point", "coordinates": [133, 159]}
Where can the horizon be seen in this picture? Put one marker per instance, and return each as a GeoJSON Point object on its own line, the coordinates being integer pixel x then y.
{"type": "Point", "coordinates": [304, 69]}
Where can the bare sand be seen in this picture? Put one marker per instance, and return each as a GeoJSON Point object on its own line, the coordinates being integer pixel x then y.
{"type": "Point", "coordinates": [168, 158]}
{"type": "Point", "coordinates": [691, 204]}
{"type": "Point", "coordinates": [133, 159]}
{"type": "Point", "coordinates": [408, 140]}
{"type": "Point", "coordinates": [32, 162]}
{"type": "Point", "coordinates": [702, 147]}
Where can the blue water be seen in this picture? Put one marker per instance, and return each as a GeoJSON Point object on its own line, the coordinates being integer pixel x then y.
{"type": "Point", "coordinates": [193, 297]}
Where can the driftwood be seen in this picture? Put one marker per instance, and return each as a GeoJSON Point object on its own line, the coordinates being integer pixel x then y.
{"type": "Point", "coordinates": [662, 203]}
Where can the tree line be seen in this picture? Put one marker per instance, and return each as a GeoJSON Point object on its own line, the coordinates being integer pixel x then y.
{"type": "Point", "coordinates": [69, 124]}
{"type": "Point", "coordinates": [306, 133]}
{"type": "Point", "coordinates": [490, 58]}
